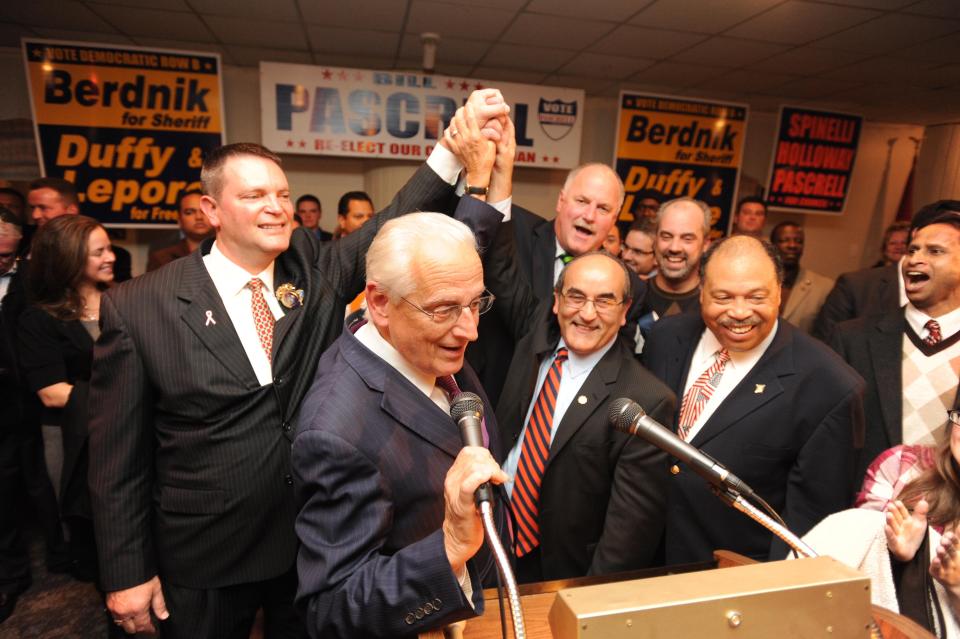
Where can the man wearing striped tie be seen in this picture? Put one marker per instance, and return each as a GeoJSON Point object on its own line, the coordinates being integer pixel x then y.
{"type": "Point", "coordinates": [910, 356]}
{"type": "Point", "coordinates": [776, 407]}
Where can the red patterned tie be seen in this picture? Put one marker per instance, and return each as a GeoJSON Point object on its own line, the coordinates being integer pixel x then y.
{"type": "Point", "coordinates": [933, 333]}
{"type": "Point", "coordinates": [700, 393]}
{"type": "Point", "coordinates": [262, 317]}
{"type": "Point", "coordinates": [525, 498]}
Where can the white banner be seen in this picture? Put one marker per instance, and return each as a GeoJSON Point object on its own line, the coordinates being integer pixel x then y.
{"type": "Point", "coordinates": [315, 110]}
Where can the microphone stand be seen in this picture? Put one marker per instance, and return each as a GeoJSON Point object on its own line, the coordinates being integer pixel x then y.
{"type": "Point", "coordinates": [734, 500]}
{"type": "Point", "coordinates": [503, 563]}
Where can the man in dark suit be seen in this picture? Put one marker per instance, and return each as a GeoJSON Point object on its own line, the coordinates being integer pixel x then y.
{"type": "Point", "coordinates": [587, 206]}
{"type": "Point", "coordinates": [198, 377]}
{"type": "Point", "coordinates": [858, 294]}
{"type": "Point", "coordinates": [387, 524]}
{"type": "Point", "coordinates": [593, 501]}
{"type": "Point", "coordinates": [905, 355]}
{"type": "Point", "coordinates": [194, 226]}
{"type": "Point", "coordinates": [776, 407]}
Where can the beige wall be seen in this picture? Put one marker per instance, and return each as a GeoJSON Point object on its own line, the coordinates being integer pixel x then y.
{"type": "Point", "coordinates": [834, 243]}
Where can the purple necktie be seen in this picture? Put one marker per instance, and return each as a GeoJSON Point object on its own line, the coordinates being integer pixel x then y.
{"type": "Point", "coordinates": [449, 384]}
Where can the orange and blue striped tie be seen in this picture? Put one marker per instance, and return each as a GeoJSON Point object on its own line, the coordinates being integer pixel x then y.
{"type": "Point", "coordinates": [525, 498]}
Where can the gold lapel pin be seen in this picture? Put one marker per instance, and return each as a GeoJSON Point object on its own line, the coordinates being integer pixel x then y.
{"type": "Point", "coordinates": [759, 389]}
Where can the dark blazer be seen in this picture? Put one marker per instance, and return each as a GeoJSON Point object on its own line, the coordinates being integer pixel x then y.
{"type": "Point", "coordinates": [370, 458]}
{"type": "Point", "coordinates": [788, 430]}
{"type": "Point", "coordinates": [53, 351]}
{"type": "Point", "coordinates": [536, 248]}
{"type": "Point", "coordinates": [857, 294]}
{"type": "Point", "coordinates": [163, 256]}
{"type": "Point", "coordinates": [190, 473]}
{"type": "Point", "coordinates": [873, 346]}
{"type": "Point", "coordinates": [602, 499]}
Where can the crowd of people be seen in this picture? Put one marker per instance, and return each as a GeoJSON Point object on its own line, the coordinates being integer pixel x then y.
{"type": "Point", "coordinates": [260, 424]}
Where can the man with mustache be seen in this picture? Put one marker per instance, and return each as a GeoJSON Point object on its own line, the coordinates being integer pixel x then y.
{"type": "Point", "coordinates": [907, 356]}
{"type": "Point", "coordinates": [773, 405]}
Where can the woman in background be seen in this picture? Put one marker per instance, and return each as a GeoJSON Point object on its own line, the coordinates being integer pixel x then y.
{"type": "Point", "coordinates": [71, 264]}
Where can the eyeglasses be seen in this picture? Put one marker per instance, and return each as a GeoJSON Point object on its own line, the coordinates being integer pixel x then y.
{"type": "Point", "coordinates": [630, 249]}
{"type": "Point", "coordinates": [577, 301]}
{"type": "Point", "coordinates": [447, 314]}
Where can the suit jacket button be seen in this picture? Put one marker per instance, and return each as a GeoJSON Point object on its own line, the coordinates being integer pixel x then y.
{"type": "Point", "coordinates": [288, 480]}
{"type": "Point", "coordinates": [419, 613]}
{"type": "Point", "coordinates": [436, 603]}
{"type": "Point", "coordinates": [278, 381]}
{"type": "Point", "coordinates": [409, 619]}
{"type": "Point", "coordinates": [285, 426]}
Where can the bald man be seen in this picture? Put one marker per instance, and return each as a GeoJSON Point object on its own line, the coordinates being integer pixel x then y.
{"type": "Point", "coordinates": [778, 408]}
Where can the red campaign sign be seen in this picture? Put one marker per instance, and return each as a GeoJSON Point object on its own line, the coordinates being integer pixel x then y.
{"type": "Point", "coordinates": [813, 160]}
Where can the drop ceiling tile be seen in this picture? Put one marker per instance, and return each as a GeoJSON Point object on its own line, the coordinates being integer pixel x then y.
{"type": "Point", "coordinates": [706, 16]}
{"type": "Point", "coordinates": [628, 41]}
{"type": "Point", "coordinates": [82, 36]}
{"type": "Point", "coordinates": [676, 74]}
{"type": "Point", "coordinates": [941, 8]}
{"type": "Point", "coordinates": [808, 60]}
{"type": "Point", "coordinates": [512, 5]}
{"type": "Point", "coordinates": [380, 15]}
{"type": "Point", "coordinates": [492, 74]}
{"type": "Point", "coordinates": [172, 5]}
{"type": "Point", "coordinates": [589, 84]}
{"type": "Point", "coordinates": [362, 42]}
{"type": "Point", "coordinates": [879, 69]}
{"type": "Point", "coordinates": [610, 10]}
{"type": "Point", "coordinates": [890, 32]}
{"type": "Point", "coordinates": [605, 66]}
{"type": "Point", "coordinates": [10, 34]}
{"type": "Point", "coordinates": [795, 22]}
{"type": "Point", "coordinates": [747, 81]}
{"type": "Point", "coordinates": [451, 20]}
{"type": "Point", "coordinates": [180, 45]}
{"type": "Point", "coordinates": [153, 23]}
{"type": "Point", "coordinates": [253, 56]}
{"type": "Point", "coordinates": [279, 10]}
{"type": "Point", "coordinates": [453, 50]}
{"type": "Point", "coordinates": [554, 31]}
{"type": "Point", "coordinates": [252, 32]}
{"type": "Point", "coordinates": [527, 58]}
{"type": "Point", "coordinates": [810, 88]}
{"type": "Point", "coordinates": [412, 65]}
{"type": "Point", "coordinates": [353, 61]}
{"type": "Point", "coordinates": [882, 5]}
{"type": "Point", "coordinates": [945, 49]}
{"type": "Point", "coordinates": [647, 87]}
{"type": "Point", "coordinates": [53, 14]}
{"type": "Point", "coordinates": [732, 52]}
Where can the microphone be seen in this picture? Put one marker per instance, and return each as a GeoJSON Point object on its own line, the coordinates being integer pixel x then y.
{"type": "Point", "coordinates": [628, 417]}
{"type": "Point", "coordinates": [467, 410]}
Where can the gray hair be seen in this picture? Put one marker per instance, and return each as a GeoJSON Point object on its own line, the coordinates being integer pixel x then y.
{"type": "Point", "coordinates": [392, 256]}
{"type": "Point", "coordinates": [572, 175]}
{"type": "Point", "coordinates": [700, 204]}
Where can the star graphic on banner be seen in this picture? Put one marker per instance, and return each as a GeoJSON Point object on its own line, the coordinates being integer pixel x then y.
{"type": "Point", "coordinates": [358, 76]}
{"type": "Point", "coordinates": [450, 84]}
{"type": "Point", "coordinates": [303, 144]}
{"type": "Point", "coordinates": [556, 159]}
{"type": "Point", "coordinates": [289, 143]}
{"type": "Point", "coordinates": [546, 159]}
{"type": "Point", "coordinates": [37, 52]}
{"type": "Point", "coordinates": [464, 86]}
{"type": "Point", "coordinates": [478, 86]}
{"type": "Point", "coordinates": [343, 75]}
{"type": "Point", "coordinates": [326, 74]}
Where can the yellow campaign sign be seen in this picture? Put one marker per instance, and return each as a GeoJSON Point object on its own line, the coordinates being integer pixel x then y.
{"type": "Point", "coordinates": [674, 137]}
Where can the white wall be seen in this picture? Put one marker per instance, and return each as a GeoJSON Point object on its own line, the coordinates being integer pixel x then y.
{"type": "Point", "coordinates": [834, 243]}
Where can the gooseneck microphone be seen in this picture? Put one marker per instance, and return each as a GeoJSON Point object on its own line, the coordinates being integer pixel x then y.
{"type": "Point", "coordinates": [467, 410]}
{"type": "Point", "coordinates": [627, 416]}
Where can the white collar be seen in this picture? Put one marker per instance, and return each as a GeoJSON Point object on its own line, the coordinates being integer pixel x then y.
{"type": "Point", "coordinates": [231, 278]}
{"type": "Point", "coordinates": [577, 365]}
{"type": "Point", "coordinates": [708, 346]}
{"type": "Point", "coordinates": [369, 336]}
{"type": "Point", "coordinates": [917, 319]}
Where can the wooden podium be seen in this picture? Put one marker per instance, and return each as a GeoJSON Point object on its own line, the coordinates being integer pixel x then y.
{"type": "Point", "coordinates": [537, 599]}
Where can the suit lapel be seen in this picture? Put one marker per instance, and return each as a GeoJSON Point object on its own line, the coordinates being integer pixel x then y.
{"type": "Point", "coordinates": [204, 314]}
{"type": "Point", "coordinates": [291, 316]}
{"type": "Point", "coordinates": [544, 256]}
{"type": "Point", "coordinates": [402, 400]}
{"type": "Point", "coordinates": [761, 385]}
{"type": "Point", "coordinates": [592, 394]}
{"type": "Point", "coordinates": [885, 341]}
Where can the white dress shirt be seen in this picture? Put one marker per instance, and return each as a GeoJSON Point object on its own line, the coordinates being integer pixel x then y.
{"type": "Point", "coordinates": [231, 281]}
{"type": "Point", "coordinates": [575, 372]}
{"type": "Point", "coordinates": [740, 364]}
